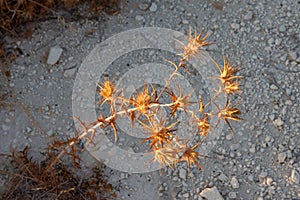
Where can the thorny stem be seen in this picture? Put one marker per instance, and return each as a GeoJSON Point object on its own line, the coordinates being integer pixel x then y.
{"type": "Point", "coordinates": [99, 124]}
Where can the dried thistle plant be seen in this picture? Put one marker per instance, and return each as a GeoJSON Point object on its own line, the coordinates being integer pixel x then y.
{"type": "Point", "coordinates": [145, 108]}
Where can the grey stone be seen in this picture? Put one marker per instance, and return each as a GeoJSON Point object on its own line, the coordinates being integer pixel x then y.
{"type": "Point", "coordinates": [282, 28]}
{"type": "Point", "coordinates": [54, 55]}
{"type": "Point", "coordinates": [293, 55]}
{"type": "Point", "coordinates": [211, 194]}
{"type": "Point", "coordinates": [70, 72]}
{"type": "Point", "coordinates": [186, 195]}
{"type": "Point", "coordinates": [248, 15]}
{"type": "Point", "coordinates": [144, 6]}
{"type": "Point", "coordinates": [232, 195]}
{"type": "Point", "coordinates": [182, 173]}
{"type": "Point", "coordinates": [281, 157]}
{"type": "Point", "coordinates": [153, 7]}
{"type": "Point", "coordinates": [139, 18]}
{"type": "Point", "coordinates": [222, 177]}
{"type": "Point", "coordinates": [5, 127]}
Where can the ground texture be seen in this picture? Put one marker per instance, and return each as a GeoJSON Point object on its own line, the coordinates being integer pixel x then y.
{"type": "Point", "coordinates": [261, 161]}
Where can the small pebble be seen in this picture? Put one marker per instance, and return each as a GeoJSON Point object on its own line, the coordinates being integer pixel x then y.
{"type": "Point", "coordinates": [153, 7]}
{"type": "Point", "coordinates": [273, 87]}
{"type": "Point", "coordinates": [288, 102]}
{"type": "Point", "coordinates": [235, 26]}
{"type": "Point", "coordinates": [234, 182]}
{"type": "Point", "coordinates": [248, 15]}
{"type": "Point", "coordinates": [232, 195]}
{"type": "Point", "coordinates": [70, 72]}
{"type": "Point", "coordinates": [143, 6]}
{"type": "Point", "coordinates": [295, 177]}
{"type": "Point", "coordinates": [282, 28]}
{"type": "Point", "coordinates": [281, 157]}
{"type": "Point", "coordinates": [278, 122]}
{"type": "Point", "coordinates": [269, 181]}
{"type": "Point", "coordinates": [54, 55]}
{"type": "Point", "coordinates": [182, 173]}
{"type": "Point", "coordinates": [292, 55]}
{"type": "Point", "coordinates": [211, 194]}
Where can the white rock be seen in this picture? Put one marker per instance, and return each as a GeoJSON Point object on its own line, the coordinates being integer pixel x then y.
{"type": "Point", "coordinates": [288, 102]}
{"type": "Point", "coordinates": [234, 182]}
{"type": "Point", "coordinates": [273, 87]}
{"type": "Point", "coordinates": [211, 194]}
{"type": "Point", "coordinates": [295, 177]}
{"type": "Point", "coordinates": [269, 181]}
{"type": "Point", "coordinates": [235, 26]}
{"type": "Point", "coordinates": [278, 122]}
{"type": "Point", "coordinates": [54, 55]}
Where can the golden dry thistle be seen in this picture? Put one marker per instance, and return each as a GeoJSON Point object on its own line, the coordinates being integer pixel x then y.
{"type": "Point", "coordinates": [190, 155]}
{"type": "Point", "coordinates": [228, 71]}
{"type": "Point", "coordinates": [146, 107]}
{"type": "Point", "coordinates": [194, 43]}
{"type": "Point", "coordinates": [203, 125]}
{"type": "Point", "coordinates": [179, 102]}
{"type": "Point", "coordinates": [160, 134]}
{"type": "Point", "coordinates": [107, 91]}
{"type": "Point", "coordinates": [143, 100]}
{"type": "Point", "coordinates": [229, 113]}
{"type": "Point", "coordinates": [166, 156]}
{"type": "Point", "coordinates": [232, 88]}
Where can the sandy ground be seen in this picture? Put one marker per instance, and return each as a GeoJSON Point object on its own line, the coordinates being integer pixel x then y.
{"type": "Point", "coordinates": [262, 160]}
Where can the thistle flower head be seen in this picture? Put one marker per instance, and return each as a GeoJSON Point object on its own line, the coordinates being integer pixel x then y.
{"type": "Point", "coordinates": [179, 102]}
{"type": "Point", "coordinates": [203, 125]}
{"type": "Point", "coordinates": [107, 91]}
{"type": "Point", "coordinates": [190, 155]}
{"type": "Point", "coordinates": [194, 44]}
{"type": "Point", "coordinates": [229, 112]}
{"type": "Point", "coordinates": [166, 156]}
{"type": "Point", "coordinates": [143, 100]}
{"type": "Point", "coordinates": [232, 87]}
{"type": "Point", "coordinates": [228, 71]}
{"type": "Point", "coordinates": [159, 133]}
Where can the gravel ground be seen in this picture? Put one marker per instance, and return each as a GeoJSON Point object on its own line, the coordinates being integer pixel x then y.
{"type": "Point", "coordinates": [261, 161]}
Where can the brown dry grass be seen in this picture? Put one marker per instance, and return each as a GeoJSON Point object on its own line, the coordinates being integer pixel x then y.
{"type": "Point", "coordinates": [30, 179]}
{"type": "Point", "coordinates": [14, 13]}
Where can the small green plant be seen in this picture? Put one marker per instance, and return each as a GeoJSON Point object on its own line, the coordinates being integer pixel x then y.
{"type": "Point", "coordinates": [145, 108]}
